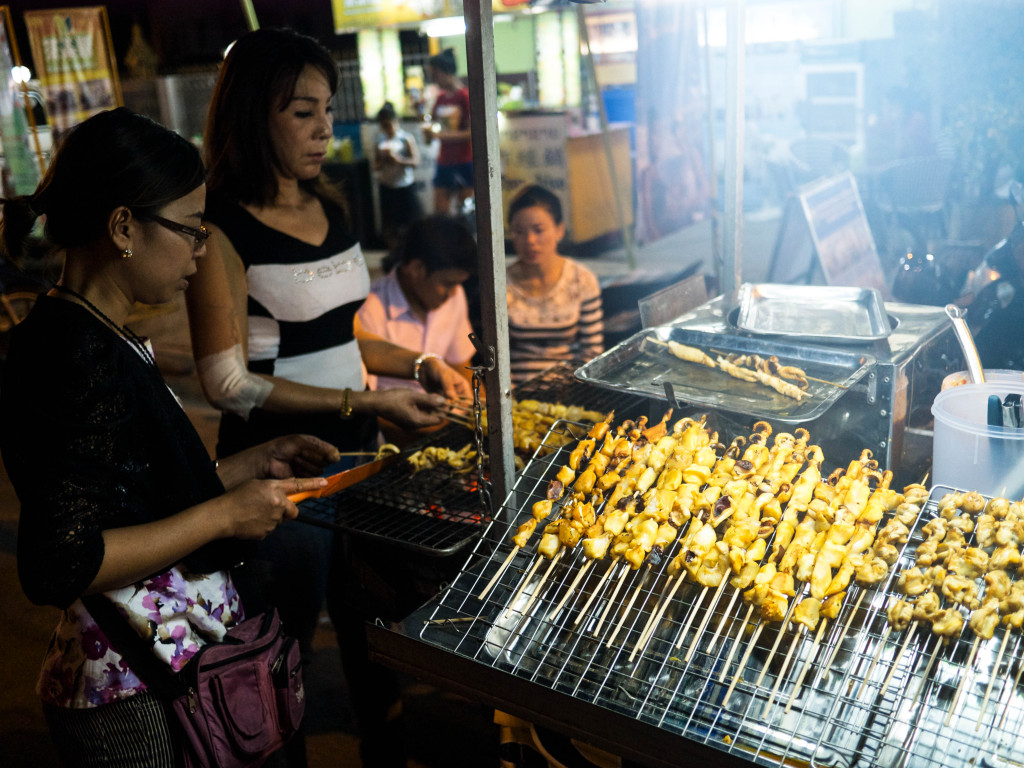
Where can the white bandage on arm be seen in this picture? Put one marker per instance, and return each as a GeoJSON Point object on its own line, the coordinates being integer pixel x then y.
{"type": "Point", "coordinates": [228, 385]}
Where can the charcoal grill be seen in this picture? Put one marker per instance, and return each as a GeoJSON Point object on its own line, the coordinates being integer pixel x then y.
{"type": "Point", "coordinates": [438, 512]}
{"type": "Point", "coordinates": [857, 696]}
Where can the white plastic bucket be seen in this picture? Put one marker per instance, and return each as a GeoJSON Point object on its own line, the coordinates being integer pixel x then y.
{"type": "Point", "coordinates": [969, 454]}
{"type": "Point", "coordinates": [992, 376]}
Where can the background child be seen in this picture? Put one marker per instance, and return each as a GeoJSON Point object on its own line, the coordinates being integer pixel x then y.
{"type": "Point", "coordinates": [420, 302]}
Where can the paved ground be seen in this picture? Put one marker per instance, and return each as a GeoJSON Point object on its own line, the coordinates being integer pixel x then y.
{"type": "Point", "coordinates": [437, 720]}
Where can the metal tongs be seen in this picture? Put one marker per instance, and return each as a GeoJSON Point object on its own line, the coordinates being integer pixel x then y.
{"type": "Point", "coordinates": [963, 335]}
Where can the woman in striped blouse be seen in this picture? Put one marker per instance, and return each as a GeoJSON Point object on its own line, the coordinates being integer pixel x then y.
{"type": "Point", "coordinates": [554, 303]}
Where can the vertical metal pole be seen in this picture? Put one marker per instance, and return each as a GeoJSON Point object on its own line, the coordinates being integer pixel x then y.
{"type": "Point", "coordinates": [606, 139]}
{"type": "Point", "coordinates": [483, 123]}
{"type": "Point", "coordinates": [716, 249]}
{"type": "Point", "coordinates": [732, 251]}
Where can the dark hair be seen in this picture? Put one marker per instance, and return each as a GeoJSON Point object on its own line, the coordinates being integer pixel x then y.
{"type": "Point", "coordinates": [387, 112]}
{"type": "Point", "coordinates": [534, 195]}
{"type": "Point", "coordinates": [444, 61]}
{"type": "Point", "coordinates": [439, 241]}
{"type": "Point", "coordinates": [258, 76]}
{"type": "Point", "coordinates": [114, 158]}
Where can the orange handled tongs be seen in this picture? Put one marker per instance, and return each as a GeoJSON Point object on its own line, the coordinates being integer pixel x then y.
{"type": "Point", "coordinates": [344, 479]}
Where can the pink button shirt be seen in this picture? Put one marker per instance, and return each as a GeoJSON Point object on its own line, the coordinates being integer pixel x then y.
{"type": "Point", "coordinates": [446, 332]}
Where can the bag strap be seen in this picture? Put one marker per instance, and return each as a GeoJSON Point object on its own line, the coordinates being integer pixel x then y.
{"type": "Point", "coordinates": [157, 676]}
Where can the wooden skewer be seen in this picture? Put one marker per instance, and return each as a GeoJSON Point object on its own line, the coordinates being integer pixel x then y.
{"type": "Point", "coordinates": [992, 678]}
{"type": "Point", "coordinates": [652, 623]}
{"type": "Point", "coordinates": [497, 574]}
{"type": "Point", "coordinates": [572, 587]}
{"type": "Point", "coordinates": [736, 644]}
{"type": "Point", "coordinates": [721, 622]}
{"type": "Point", "coordinates": [963, 681]}
{"type": "Point", "coordinates": [522, 584]}
{"type": "Point", "coordinates": [874, 659]}
{"type": "Point", "coordinates": [707, 617]}
{"type": "Point", "coordinates": [842, 634]}
{"type": "Point", "coordinates": [778, 639]}
{"type": "Point", "coordinates": [896, 661]}
{"type": "Point", "coordinates": [689, 618]}
{"type": "Point", "coordinates": [1016, 680]}
{"type": "Point", "coordinates": [743, 662]}
{"type": "Point", "coordinates": [611, 600]}
{"type": "Point", "coordinates": [626, 610]}
{"type": "Point", "coordinates": [927, 670]}
{"type": "Point", "coordinates": [594, 593]}
{"type": "Point", "coordinates": [785, 668]}
{"type": "Point", "coordinates": [835, 384]}
{"type": "Point", "coordinates": [460, 420]}
{"type": "Point", "coordinates": [806, 666]}
{"type": "Point", "coordinates": [536, 591]}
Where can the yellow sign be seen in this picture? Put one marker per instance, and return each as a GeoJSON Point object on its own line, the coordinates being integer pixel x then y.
{"type": "Point", "coordinates": [365, 14]}
{"type": "Point", "coordinates": [74, 62]}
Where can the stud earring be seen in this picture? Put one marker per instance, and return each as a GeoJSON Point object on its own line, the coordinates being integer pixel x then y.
{"type": "Point", "coordinates": [127, 253]}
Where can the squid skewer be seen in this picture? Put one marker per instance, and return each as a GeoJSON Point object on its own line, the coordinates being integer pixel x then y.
{"type": "Point", "coordinates": [596, 591]}
{"type": "Point", "coordinates": [721, 622]}
{"type": "Point", "coordinates": [572, 587]}
{"type": "Point", "coordinates": [896, 661]}
{"type": "Point", "coordinates": [704, 622]}
{"type": "Point", "coordinates": [727, 472]}
{"type": "Point", "coordinates": [963, 681]}
{"type": "Point", "coordinates": [785, 668]}
{"type": "Point", "coordinates": [611, 600]}
{"type": "Point", "coordinates": [992, 678]}
{"type": "Point", "coordinates": [736, 643]}
{"type": "Point", "coordinates": [536, 591]}
{"type": "Point", "coordinates": [541, 510]}
{"type": "Point", "coordinates": [807, 663]}
{"type": "Point", "coordinates": [743, 661]}
{"type": "Point", "coordinates": [1016, 682]}
{"type": "Point", "coordinates": [842, 634]}
{"type": "Point", "coordinates": [846, 500]}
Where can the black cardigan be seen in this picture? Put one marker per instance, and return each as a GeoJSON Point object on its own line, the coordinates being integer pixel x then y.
{"type": "Point", "coordinates": [92, 439]}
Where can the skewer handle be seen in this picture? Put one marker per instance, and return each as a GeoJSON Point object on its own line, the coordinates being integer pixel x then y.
{"type": "Point", "coordinates": [497, 573]}
{"type": "Point", "coordinates": [743, 662]}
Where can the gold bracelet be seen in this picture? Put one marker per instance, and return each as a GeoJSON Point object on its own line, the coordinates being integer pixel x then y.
{"type": "Point", "coordinates": [345, 411]}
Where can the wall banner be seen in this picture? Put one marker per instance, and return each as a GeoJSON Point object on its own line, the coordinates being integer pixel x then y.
{"type": "Point", "coordinates": [74, 62]}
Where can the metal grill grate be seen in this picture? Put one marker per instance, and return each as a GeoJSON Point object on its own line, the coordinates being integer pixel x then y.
{"type": "Point", "coordinates": [438, 511]}
{"type": "Point", "coordinates": [855, 695]}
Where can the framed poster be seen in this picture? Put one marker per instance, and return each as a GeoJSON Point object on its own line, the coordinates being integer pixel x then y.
{"type": "Point", "coordinates": [840, 232]}
{"type": "Point", "coordinates": [75, 64]}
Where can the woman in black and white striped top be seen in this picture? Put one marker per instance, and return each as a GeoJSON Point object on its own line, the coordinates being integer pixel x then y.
{"type": "Point", "coordinates": [554, 303]}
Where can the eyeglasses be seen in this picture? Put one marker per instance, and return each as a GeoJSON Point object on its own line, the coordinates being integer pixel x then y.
{"type": "Point", "coordinates": [199, 235]}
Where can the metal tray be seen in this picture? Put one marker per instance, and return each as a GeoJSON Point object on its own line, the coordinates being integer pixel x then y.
{"type": "Point", "coordinates": [813, 312]}
{"type": "Point", "coordinates": [645, 368]}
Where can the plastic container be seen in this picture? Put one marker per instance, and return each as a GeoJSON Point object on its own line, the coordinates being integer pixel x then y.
{"type": "Point", "coordinates": [970, 455]}
{"type": "Point", "coordinates": [992, 376]}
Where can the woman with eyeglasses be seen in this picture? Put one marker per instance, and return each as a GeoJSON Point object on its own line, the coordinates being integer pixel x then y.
{"type": "Point", "coordinates": [120, 501]}
{"type": "Point", "coordinates": [277, 342]}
